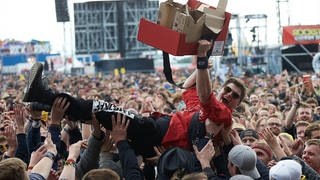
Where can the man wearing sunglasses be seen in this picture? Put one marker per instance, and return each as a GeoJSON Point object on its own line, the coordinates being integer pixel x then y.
{"type": "Point", "coordinates": [216, 110]}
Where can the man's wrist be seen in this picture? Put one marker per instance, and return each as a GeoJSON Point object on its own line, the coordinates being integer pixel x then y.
{"type": "Point", "coordinates": [202, 63]}
{"type": "Point", "coordinates": [50, 155]}
{"type": "Point", "coordinates": [20, 130]}
{"type": "Point", "coordinates": [205, 164]}
{"type": "Point", "coordinates": [70, 162]}
{"type": "Point", "coordinates": [72, 157]}
{"type": "Point", "coordinates": [116, 142]}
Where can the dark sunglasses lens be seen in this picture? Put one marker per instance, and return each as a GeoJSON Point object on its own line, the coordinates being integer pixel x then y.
{"type": "Point", "coordinates": [235, 95]}
{"type": "Point", "coordinates": [227, 89]}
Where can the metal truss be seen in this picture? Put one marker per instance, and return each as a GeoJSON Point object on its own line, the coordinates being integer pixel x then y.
{"type": "Point", "coordinates": [111, 26]}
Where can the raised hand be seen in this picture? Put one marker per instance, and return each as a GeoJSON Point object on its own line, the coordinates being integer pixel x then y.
{"type": "Point", "coordinates": [50, 146]}
{"type": "Point", "coordinates": [96, 127]}
{"type": "Point", "coordinates": [10, 133]}
{"type": "Point", "coordinates": [205, 155]}
{"type": "Point", "coordinates": [74, 150]}
{"type": "Point", "coordinates": [235, 138]}
{"type": "Point", "coordinates": [297, 147]}
{"type": "Point", "coordinates": [59, 107]}
{"type": "Point", "coordinates": [203, 48]}
{"type": "Point", "coordinates": [272, 141]}
{"type": "Point", "coordinates": [108, 143]}
{"type": "Point", "coordinates": [19, 117]}
{"type": "Point", "coordinates": [269, 137]}
{"type": "Point", "coordinates": [37, 155]}
{"type": "Point", "coordinates": [285, 147]}
{"type": "Point", "coordinates": [119, 128]}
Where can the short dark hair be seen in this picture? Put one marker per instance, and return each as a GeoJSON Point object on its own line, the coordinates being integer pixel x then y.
{"type": "Point", "coordinates": [240, 84]}
{"type": "Point", "coordinates": [313, 142]}
{"type": "Point", "coordinates": [311, 128]}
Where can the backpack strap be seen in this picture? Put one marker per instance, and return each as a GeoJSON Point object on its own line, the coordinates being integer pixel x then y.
{"type": "Point", "coordinates": [197, 132]}
{"type": "Point", "coordinates": [167, 70]}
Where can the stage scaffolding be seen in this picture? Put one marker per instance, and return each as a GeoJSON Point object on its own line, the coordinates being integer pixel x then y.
{"type": "Point", "coordinates": [111, 26]}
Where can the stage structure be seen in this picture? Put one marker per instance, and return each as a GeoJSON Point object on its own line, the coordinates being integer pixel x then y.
{"type": "Point", "coordinates": [111, 26]}
{"type": "Point", "coordinates": [247, 42]}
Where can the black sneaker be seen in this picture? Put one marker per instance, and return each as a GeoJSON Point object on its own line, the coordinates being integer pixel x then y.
{"type": "Point", "coordinates": [34, 84]}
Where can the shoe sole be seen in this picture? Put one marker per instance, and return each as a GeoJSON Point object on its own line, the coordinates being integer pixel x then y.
{"type": "Point", "coordinates": [35, 71]}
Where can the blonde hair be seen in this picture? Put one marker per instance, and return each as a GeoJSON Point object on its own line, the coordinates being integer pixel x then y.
{"type": "Point", "coordinates": [286, 135]}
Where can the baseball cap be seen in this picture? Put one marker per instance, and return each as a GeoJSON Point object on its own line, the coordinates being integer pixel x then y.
{"type": "Point", "coordinates": [245, 159]}
{"type": "Point", "coordinates": [286, 169]}
{"type": "Point", "coordinates": [240, 177]}
{"type": "Point", "coordinates": [250, 133]}
{"type": "Point", "coordinates": [176, 159]}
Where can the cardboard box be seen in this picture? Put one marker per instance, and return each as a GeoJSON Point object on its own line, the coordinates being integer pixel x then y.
{"type": "Point", "coordinates": [163, 37]}
{"type": "Point", "coordinates": [191, 24]}
{"type": "Point", "coordinates": [167, 12]}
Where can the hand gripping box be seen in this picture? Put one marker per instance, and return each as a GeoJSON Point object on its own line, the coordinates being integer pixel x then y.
{"type": "Point", "coordinates": [179, 29]}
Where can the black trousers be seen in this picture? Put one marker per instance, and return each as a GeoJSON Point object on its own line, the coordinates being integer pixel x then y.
{"type": "Point", "coordinates": [143, 132]}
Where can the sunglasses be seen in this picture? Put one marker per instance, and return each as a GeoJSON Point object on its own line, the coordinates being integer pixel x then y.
{"type": "Point", "coordinates": [234, 95]}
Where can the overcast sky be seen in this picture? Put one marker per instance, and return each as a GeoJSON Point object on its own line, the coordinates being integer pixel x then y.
{"type": "Point", "coordinates": [36, 19]}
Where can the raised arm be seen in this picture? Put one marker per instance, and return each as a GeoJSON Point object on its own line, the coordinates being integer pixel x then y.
{"type": "Point", "coordinates": [127, 156]}
{"type": "Point", "coordinates": [22, 149]}
{"type": "Point", "coordinates": [293, 111]}
{"type": "Point", "coordinates": [43, 167]}
{"type": "Point", "coordinates": [202, 76]}
{"type": "Point", "coordinates": [191, 80]}
{"type": "Point", "coordinates": [69, 170]}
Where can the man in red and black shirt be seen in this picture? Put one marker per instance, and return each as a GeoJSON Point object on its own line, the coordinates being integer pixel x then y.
{"type": "Point", "coordinates": [205, 114]}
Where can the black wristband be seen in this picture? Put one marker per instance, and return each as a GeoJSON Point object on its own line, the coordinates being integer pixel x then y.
{"type": "Point", "coordinates": [202, 63]}
{"type": "Point", "coordinates": [50, 155]}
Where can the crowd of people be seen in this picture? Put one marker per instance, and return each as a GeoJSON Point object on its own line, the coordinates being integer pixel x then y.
{"type": "Point", "coordinates": [138, 126]}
